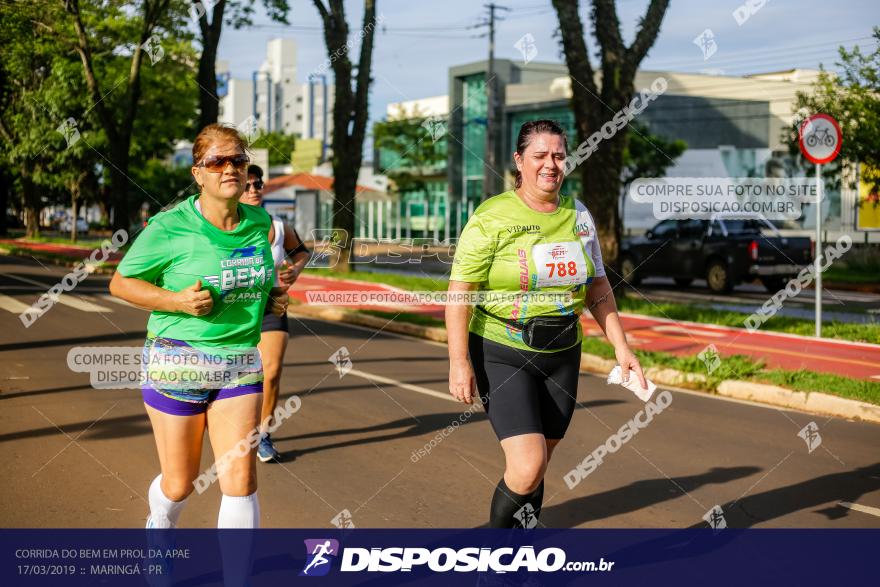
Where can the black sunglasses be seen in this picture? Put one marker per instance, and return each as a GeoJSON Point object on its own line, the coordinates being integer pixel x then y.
{"type": "Point", "coordinates": [218, 163]}
{"type": "Point", "coordinates": [257, 185]}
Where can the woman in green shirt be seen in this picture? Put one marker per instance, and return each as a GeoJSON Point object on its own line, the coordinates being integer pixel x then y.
{"type": "Point", "coordinates": [205, 271]}
{"type": "Point", "coordinates": [531, 239]}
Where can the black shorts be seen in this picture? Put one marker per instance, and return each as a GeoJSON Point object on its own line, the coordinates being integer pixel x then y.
{"type": "Point", "coordinates": [271, 322]}
{"type": "Point", "coordinates": [526, 392]}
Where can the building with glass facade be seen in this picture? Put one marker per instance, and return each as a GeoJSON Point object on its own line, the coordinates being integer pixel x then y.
{"type": "Point", "coordinates": [732, 126]}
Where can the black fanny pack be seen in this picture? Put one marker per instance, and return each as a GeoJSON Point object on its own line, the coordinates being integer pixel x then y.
{"type": "Point", "coordinates": [544, 333]}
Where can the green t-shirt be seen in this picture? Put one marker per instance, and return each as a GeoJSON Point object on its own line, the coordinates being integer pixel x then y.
{"type": "Point", "coordinates": [508, 247]}
{"type": "Point", "coordinates": [179, 246]}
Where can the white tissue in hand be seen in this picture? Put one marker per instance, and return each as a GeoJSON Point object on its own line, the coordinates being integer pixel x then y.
{"type": "Point", "coordinates": [616, 378]}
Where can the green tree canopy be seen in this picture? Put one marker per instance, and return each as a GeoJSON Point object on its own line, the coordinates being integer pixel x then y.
{"type": "Point", "coordinates": [416, 144]}
{"type": "Point", "coordinates": [280, 146]}
{"type": "Point", "coordinates": [853, 99]}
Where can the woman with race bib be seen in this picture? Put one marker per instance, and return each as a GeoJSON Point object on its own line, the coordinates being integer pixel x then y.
{"type": "Point", "coordinates": [204, 268]}
{"type": "Point", "coordinates": [522, 355]}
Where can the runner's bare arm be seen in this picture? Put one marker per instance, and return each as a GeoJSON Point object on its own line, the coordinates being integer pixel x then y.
{"type": "Point", "coordinates": [603, 307]}
{"type": "Point", "coordinates": [461, 374]}
{"type": "Point", "coordinates": [297, 255]}
{"type": "Point", "coordinates": [143, 294]}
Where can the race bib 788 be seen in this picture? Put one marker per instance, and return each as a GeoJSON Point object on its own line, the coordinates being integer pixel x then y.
{"type": "Point", "coordinates": [559, 264]}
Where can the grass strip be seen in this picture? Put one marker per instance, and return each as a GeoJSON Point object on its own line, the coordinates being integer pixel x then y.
{"type": "Point", "coordinates": [735, 367]}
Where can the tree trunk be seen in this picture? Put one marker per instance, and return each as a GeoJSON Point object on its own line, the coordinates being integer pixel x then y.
{"type": "Point", "coordinates": [119, 132]}
{"type": "Point", "coordinates": [350, 111]}
{"type": "Point", "coordinates": [601, 174]}
{"type": "Point", "coordinates": [344, 188]}
{"type": "Point", "coordinates": [119, 188]}
{"type": "Point", "coordinates": [105, 205]}
{"type": "Point", "coordinates": [209, 103]}
{"type": "Point", "coordinates": [593, 106]}
{"type": "Point", "coordinates": [209, 106]}
{"type": "Point", "coordinates": [5, 186]}
{"type": "Point", "coordinates": [74, 212]}
{"type": "Point", "coordinates": [30, 205]}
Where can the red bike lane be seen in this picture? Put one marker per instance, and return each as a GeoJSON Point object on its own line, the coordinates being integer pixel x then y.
{"type": "Point", "coordinates": [779, 350]}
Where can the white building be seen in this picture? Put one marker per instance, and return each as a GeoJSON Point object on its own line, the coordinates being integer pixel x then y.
{"type": "Point", "coordinates": [435, 106]}
{"type": "Point", "coordinates": [274, 99]}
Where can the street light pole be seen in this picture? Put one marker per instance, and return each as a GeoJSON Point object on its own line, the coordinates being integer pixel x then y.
{"type": "Point", "coordinates": [489, 156]}
{"type": "Point", "coordinates": [489, 168]}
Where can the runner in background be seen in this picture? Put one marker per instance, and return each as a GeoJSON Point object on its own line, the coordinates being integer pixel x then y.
{"type": "Point", "coordinates": [290, 256]}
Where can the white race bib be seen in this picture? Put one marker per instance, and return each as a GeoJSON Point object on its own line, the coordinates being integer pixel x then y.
{"type": "Point", "coordinates": [559, 264]}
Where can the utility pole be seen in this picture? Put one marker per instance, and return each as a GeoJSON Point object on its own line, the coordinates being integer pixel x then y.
{"type": "Point", "coordinates": [490, 172]}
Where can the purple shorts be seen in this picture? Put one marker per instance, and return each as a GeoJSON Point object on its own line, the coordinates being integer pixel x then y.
{"type": "Point", "coordinates": [176, 407]}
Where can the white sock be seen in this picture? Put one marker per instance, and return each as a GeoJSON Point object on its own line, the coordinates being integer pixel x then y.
{"type": "Point", "coordinates": [163, 512]}
{"type": "Point", "coordinates": [239, 512]}
{"type": "Point", "coordinates": [236, 547]}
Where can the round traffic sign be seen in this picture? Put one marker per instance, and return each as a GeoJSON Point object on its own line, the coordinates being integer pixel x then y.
{"type": "Point", "coordinates": [819, 138]}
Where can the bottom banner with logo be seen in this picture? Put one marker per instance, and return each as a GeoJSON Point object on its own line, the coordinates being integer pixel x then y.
{"type": "Point", "coordinates": [256, 558]}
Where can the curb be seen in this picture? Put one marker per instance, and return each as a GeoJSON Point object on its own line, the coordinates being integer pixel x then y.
{"type": "Point", "coordinates": [813, 402]}
{"type": "Point", "coordinates": [810, 402]}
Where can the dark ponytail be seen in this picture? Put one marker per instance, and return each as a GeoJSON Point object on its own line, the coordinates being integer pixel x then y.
{"type": "Point", "coordinates": [532, 128]}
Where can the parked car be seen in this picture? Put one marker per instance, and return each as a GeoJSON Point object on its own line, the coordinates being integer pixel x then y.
{"type": "Point", "coordinates": [724, 251]}
{"type": "Point", "coordinates": [81, 225]}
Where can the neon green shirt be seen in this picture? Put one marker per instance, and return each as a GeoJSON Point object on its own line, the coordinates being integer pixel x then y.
{"type": "Point", "coordinates": [179, 246]}
{"type": "Point", "coordinates": [508, 247]}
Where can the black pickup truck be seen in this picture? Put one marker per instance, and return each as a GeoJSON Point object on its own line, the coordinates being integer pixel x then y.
{"type": "Point", "coordinates": [723, 251]}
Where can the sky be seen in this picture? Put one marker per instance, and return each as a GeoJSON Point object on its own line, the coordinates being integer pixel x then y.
{"type": "Point", "coordinates": [420, 39]}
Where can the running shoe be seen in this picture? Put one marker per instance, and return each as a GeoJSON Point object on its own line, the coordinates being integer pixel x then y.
{"type": "Point", "coordinates": [266, 450]}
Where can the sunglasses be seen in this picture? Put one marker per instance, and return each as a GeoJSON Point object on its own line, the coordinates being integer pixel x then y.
{"type": "Point", "coordinates": [218, 163]}
{"type": "Point", "coordinates": [257, 185]}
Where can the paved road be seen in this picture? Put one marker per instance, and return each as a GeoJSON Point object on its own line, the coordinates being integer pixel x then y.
{"type": "Point", "coordinates": [75, 456]}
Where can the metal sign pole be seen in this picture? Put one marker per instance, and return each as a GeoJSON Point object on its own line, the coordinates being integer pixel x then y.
{"type": "Point", "coordinates": [818, 253]}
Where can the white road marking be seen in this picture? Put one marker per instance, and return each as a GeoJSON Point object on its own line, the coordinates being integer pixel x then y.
{"type": "Point", "coordinates": [30, 281]}
{"type": "Point", "coordinates": [10, 304]}
{"type": "Point", "coordinates": [80, 304]}
{"type": "Point", "coordinates": [67, 300]}
{"type": "Point", "coordinates": [865, 509]}
{"type": "Point", "coordinates": [402, 385]}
